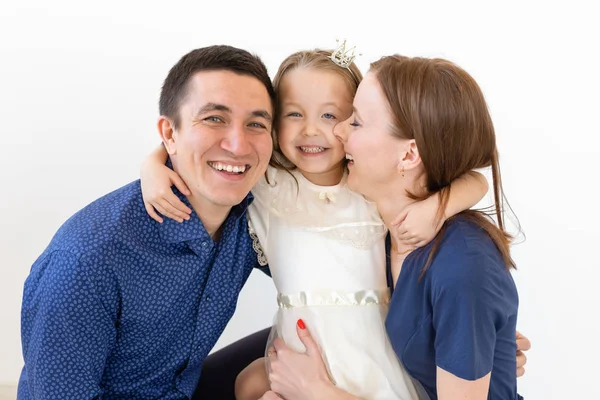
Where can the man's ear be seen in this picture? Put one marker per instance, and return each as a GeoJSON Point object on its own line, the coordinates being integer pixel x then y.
{"type": "Point", "coordinates": [167, 132]}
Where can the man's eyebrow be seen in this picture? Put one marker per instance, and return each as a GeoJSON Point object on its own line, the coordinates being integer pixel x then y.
{"type": "Point", "coordinates": [262, 114]}
{"type": "Point", "coordinates": [208, 107]}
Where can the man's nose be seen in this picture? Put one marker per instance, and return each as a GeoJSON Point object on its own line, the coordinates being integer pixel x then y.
{"type": "Point", "coordinates": [236, 141]}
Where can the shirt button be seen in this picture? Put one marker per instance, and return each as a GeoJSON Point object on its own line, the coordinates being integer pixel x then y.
{"type": "Point", "coordinates": [205, 244]}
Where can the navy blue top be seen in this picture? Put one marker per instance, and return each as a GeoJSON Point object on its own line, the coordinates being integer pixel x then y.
{"type": "Point", "coordinates": [121, 307]}
{"type": "Point", "coordinates": [461, 316]}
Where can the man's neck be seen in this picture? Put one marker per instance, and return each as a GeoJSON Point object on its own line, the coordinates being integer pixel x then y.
{"type": "Point", "coordinates": [212, 216]}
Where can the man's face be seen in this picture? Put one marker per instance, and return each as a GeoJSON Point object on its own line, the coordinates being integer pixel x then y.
{"type": "Point", "coordinates": [223, 144]}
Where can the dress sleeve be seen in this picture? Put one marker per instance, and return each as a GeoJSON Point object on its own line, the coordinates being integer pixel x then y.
{"type": "Point", "coordinates": [467, 314]}
{"type": "Point", "coordinates": [67, 330]}
{"type": "Point", "coordinates": [258, 223]}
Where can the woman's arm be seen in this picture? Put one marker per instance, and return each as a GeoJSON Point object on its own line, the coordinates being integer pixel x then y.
{"type": "Point", "coordinates": [474, 305]}
{"type": "Point", "coordinates": [451, 387]}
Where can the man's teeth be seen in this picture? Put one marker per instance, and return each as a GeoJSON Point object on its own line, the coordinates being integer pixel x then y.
{"type": "Point", "coordinates": [228, 167]}
{"type": "Point", "coordinates": [349, 157]}
{"type": "Point", "coordinates": [312, 149]}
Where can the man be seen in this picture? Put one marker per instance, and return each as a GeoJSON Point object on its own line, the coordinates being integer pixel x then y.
{"type": "Point", "coordinates": [119, 306]}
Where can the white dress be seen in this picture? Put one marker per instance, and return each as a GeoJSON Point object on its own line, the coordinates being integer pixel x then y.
{"type": "Point", "coordinates": [325, 249]}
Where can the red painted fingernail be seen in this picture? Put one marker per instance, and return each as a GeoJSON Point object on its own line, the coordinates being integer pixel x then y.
{"type": "Point", "coordinates": [301, 324]}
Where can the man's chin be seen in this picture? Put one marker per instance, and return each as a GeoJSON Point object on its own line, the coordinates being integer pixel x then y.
{"type": "Point", "coordinates": [230, 200]}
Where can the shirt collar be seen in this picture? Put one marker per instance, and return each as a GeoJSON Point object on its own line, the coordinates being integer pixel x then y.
{"type": "Point", "coordinates": [193, 229]}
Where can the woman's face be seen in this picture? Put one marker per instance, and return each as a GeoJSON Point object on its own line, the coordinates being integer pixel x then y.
{"type": "Point", "coordinates": [373, 151]}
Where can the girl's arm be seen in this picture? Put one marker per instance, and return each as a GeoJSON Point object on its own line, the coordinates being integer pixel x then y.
{"type": "Point", "coordinates": [156, 181]}
{"type": "Point", "coordinates": [418, 223]}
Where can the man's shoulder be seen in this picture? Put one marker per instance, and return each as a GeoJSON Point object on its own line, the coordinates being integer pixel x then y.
{"type": "Point", "coordinates": [104, 221]}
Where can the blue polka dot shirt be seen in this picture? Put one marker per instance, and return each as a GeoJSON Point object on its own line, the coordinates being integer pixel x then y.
{"type": "Point", "coordinates": [121, 307]}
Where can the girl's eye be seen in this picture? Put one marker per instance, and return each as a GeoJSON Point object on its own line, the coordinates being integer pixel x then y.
{"type": "Point", "coordinates": [329, 116]}
{"type": "Point", "coordinates": [294, 114]}
{"type": "Point", "coordinates": [354, 124]}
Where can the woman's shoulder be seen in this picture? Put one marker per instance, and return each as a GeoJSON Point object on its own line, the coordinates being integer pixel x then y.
{"type": "Point", "coordinates": [467, 254]}
{"type": "Point", "coordinates": [465, 237]}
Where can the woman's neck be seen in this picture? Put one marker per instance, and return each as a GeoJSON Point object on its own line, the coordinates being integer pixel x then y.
{"type": "Point", "coordinates": [393, 201]}
{"type": "Point", "coordinates": [390, 207]}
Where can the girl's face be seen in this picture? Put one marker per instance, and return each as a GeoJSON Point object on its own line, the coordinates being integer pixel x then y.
{"type": "Point", "coordinates": [313, 102]}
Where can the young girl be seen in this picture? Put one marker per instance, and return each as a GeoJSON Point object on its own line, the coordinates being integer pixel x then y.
{"type": "Point", "coordinates": [324, 243]}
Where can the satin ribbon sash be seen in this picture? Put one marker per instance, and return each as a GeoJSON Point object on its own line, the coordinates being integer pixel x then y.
{"type": "Point", "coordinates": [334, 298]}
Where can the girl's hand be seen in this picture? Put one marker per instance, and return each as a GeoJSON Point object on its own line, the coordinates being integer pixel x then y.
{"type": "Point", "coordinates": [418, 223]}
{"type": "Point", "coordinates": [156, 181]}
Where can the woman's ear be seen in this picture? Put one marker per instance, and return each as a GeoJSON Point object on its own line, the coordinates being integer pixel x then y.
{"type": "Point", "coordinates": [410, 157]}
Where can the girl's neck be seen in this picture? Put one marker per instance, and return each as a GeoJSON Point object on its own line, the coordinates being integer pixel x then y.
{"type": "Point", "coordinates": [326, 178]}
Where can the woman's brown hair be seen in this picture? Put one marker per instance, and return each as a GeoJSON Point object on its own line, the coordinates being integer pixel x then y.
{"type": "Point", "coordinates": [442, 108]}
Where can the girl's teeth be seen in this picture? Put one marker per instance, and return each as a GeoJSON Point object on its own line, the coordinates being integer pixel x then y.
{"type": "Point", "coordinates": [312, 149]}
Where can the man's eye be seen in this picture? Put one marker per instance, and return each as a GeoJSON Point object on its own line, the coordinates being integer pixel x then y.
{"type": "Point", "coordinates": [257, 125]}
{"type": "Point", "coordinates": [213, 119]}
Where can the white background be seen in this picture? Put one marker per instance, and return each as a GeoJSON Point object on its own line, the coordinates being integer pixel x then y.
{"type": "Point", "coordinates": [79, 86]}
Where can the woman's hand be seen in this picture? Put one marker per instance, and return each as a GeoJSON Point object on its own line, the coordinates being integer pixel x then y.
{"type": "Point", "coordinates": [523, 344]}
{"type": "Point", "coordinates": [297, 376]}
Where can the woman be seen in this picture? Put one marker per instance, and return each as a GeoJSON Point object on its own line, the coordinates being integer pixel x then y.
{"type": "Point", "coordinates": [419, 124]}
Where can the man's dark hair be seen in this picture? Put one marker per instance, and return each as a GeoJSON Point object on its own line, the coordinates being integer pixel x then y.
{"type": "Point", "coordinates": [211, 58]}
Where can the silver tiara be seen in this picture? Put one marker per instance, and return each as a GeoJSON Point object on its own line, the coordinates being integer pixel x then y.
{"type": "Point", "coordinates": [343, 57]}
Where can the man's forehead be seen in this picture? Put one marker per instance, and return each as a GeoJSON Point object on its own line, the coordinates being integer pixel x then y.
{"type": "Point", "coordinates": [235, 91]}
{"type": "Point", "coordinates": [227, 79]}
